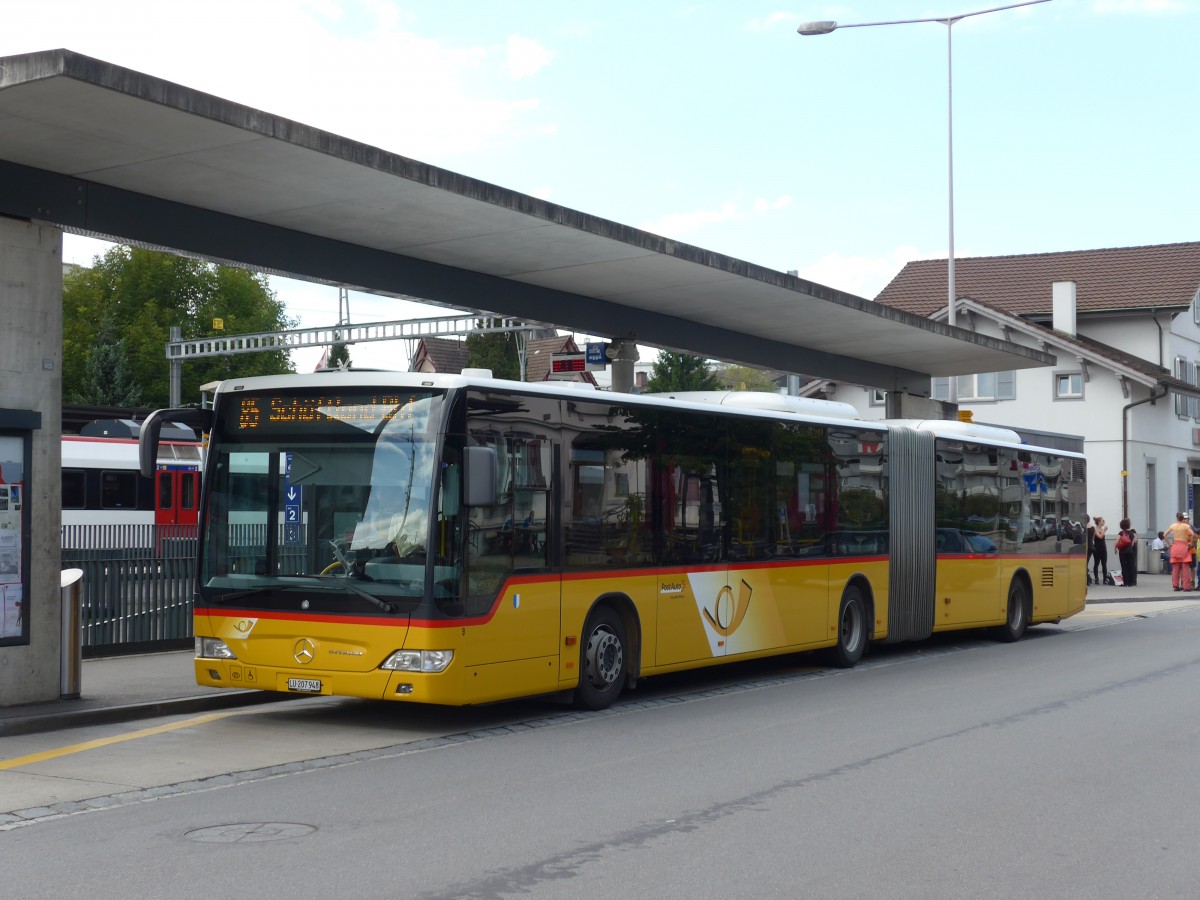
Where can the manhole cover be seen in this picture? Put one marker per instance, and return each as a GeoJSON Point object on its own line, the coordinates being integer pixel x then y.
{"type": "Point", "coordinates": [249, 832]}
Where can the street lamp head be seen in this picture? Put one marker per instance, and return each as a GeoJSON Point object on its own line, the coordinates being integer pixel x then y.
{"type": "Point", "coordinates": [810, 28]}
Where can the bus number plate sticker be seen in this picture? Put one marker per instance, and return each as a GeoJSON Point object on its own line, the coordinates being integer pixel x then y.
{"type": "Point", "coordinates": [305, 685]}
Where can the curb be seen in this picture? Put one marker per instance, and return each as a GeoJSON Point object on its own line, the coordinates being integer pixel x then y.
{"type": "Point", "coordinates": [107, 715]}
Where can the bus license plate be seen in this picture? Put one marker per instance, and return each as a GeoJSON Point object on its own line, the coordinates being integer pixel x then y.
{"type": "Point", "coordinates": [305, 685]}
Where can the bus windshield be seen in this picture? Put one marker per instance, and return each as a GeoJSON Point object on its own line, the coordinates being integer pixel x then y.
{"type": "Point", "coordinates": [329, 496]}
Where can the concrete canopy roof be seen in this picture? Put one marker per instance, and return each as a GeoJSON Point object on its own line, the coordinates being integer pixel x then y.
{"type": "Point", "coordinates": [99, 149]}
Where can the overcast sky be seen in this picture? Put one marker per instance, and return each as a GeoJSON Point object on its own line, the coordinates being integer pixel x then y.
{"type": "Point", "coordinates": [1075, 121]}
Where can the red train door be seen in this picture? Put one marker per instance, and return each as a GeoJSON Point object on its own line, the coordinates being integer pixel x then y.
{"type": "Point", "coordinates": [187, 507]}
{"type": "Point", "coordinates": [176, 497]}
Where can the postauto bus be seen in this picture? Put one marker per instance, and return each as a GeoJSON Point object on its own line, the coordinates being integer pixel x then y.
{"type": "Point", "coordinates": [457, 539]}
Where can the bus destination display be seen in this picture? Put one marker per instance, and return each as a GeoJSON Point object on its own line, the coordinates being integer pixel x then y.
{"type": "Point", "coordinates": [300, 412]}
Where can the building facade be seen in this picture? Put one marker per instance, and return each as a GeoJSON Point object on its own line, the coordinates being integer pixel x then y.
{"type": "Point", "coordinates": [1124, 325]}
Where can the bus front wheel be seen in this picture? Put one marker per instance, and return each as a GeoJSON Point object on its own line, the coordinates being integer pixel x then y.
{"type": "Point", "coordinates": [1017, 620]}
{"type": "Point", "coordinates": [851, 630]}
{"type": "Point", "coordinates": [603, 660]}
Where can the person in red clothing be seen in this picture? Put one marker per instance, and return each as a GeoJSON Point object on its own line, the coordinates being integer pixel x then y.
{"type": "Point", "coordinates": [1127, 541]}
{"type": "Point", "coordinates": [1182, 539]}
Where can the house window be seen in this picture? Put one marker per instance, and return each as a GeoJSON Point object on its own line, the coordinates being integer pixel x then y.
{"type": "Point", "coordinates": [1184, 371]}
{"type": "Point", "coordinates": [1196, 308]}
{"type": "Point", "coordinates": [876, 397]}
{"type": "Point", "coordinates": [1194, 380]}
{"type": "Point", "coordinates": [1068, 386]}
{"type": "Point", "coordinates": [975, 388]}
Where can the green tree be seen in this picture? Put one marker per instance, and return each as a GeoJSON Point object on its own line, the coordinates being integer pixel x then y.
{"type": "Point", "coordinates": [339, 356]}
{"type": "Point", "coordinates": [680, 372]}
{"type": "Point", "coordinates": [743, 378]}
{"type": "Point", "coordinates": [131, 297]}
{"type": "Point", "coordinates": [108, 381]}
{"type": "Point", "coordinates": [496, 351]}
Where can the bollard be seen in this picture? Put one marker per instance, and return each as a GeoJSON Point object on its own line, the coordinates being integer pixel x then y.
{"type": "Point", "coordinates": [71, 649]}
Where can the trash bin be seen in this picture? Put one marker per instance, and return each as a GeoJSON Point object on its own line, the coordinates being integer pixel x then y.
{"type": "Point", "coordinates": [71, 649]}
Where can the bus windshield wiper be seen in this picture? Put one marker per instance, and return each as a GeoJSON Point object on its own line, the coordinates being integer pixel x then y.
{"type": "Point", "coordinates": [368, 596]}
{"type": "Point", "coordinates": [240, 595]}
{"type": "Point", "coordinates": [295, 581]}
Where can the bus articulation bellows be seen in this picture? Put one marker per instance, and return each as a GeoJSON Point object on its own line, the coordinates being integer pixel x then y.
{"type": "Point", "coordinates": [456, 539]}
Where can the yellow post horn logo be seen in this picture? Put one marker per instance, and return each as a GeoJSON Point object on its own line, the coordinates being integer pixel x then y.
{"type": "Point", "coordinates": [727, 614]}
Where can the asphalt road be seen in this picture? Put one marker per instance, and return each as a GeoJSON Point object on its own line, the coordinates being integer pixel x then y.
{"type": "Point", "coordinates": [1059, 766]}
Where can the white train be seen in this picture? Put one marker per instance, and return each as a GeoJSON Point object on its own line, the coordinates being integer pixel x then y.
{"type": "Point", "coordinates": [101, 484]}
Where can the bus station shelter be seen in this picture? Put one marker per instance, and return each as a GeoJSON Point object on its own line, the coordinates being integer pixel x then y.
{"type": "Point", "coordinates": [90, 147]}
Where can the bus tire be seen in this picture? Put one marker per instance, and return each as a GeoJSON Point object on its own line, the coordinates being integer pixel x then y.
{"type": "Point", "coordinates": [1017, 619]}
{"type": "Point", "coordinates": [852, 629]}
{"type": "Point", "coordinates": [603, 660]}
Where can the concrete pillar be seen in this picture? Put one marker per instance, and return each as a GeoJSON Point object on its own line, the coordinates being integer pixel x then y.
{"type": "Point", "coordinates": [900, 405]}
{"type": "Point", "coordinates": [622, 355]}
{"type": "Point", "coordinates": [31, 380]}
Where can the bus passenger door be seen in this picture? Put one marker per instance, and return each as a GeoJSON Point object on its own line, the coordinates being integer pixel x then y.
{"type": "Point", "coordinates": [513, 598]}
{"type": "Point", "coordinates": [695, 602]}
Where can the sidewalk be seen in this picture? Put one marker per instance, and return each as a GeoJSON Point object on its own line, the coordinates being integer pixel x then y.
{"type": "Point", "coordinates": [1149, 587]}
{"type": "Point", "coordinates": [124, 688]}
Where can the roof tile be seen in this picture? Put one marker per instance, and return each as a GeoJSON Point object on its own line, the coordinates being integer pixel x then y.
{"type": "Point", "coordinates": [1160, 276]}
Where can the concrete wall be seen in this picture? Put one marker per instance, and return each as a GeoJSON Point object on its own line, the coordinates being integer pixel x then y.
{"type": "Point", "coordinates": [31, 379]}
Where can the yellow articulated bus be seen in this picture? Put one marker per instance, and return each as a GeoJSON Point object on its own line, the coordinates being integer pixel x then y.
{"type": "Point", "coordinates": [456, 539]}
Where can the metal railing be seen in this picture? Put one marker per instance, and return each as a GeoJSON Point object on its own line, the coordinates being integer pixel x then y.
{"type": "Point", "coordinates": [137, 583]}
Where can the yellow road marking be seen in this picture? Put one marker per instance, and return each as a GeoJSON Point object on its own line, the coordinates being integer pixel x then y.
{"type": "Point", "coordinates": [105, 742]}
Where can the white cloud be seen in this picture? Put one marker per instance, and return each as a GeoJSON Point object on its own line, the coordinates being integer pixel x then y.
{"type": "Point", "coordinates": [762, 205]}
{"type": "Point", "coordinates": [1105, 7]}
{"type": "Point", "coordinates": [526, 57]}
{"type": "Point", "coordinates": [862, 276]}
{"type": "Point", "coordinates": [772, 21]}
{"type": "Point", "coordinates": [678, 224]}
{"type": "Point", "coordinates": [353, 68]}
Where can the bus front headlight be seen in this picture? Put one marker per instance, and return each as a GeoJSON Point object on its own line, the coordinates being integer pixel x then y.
{"type": "Point", "coordinates": [418, 661]}
{"type": "Point", "coordinates": [213, 648]}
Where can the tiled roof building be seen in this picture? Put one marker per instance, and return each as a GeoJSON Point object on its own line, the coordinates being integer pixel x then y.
{"type": "Point", "coordinates": [1124, 326]}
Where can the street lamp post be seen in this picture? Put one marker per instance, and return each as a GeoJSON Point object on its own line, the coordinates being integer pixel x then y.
{"type": "Point", "coordinates": [815, 28]}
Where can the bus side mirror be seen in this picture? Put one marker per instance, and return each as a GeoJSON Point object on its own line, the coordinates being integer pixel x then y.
{"type": "Point", "coordinates": [199, 420]}
{"type": "Point", "coordinates": [480, 464]}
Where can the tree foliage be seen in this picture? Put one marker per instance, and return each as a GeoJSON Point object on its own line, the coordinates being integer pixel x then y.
{"type": "Point", "coordinates": [107, 379]}
{"type": "Point", "coordinates": [117, 317]}
{"type": "Point", "coordinates": [680, 372]}
{"type": "Point", "coordinates": [496, 351]}
{"type": "Point", "coordinates": [339, 357]}
{"type": "Point", "coordinates": [743, 378]}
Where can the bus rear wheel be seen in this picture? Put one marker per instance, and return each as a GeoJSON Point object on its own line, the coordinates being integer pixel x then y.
{"type": "Point", "coordinates": [852, 630]}
{"type": "Point", "coordinates": [603, 660]}
{"type": "Point", "coordinates": [1017, 620]}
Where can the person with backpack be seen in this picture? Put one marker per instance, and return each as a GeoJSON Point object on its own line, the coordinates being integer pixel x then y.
{"type": "Point", "coordinates": [1100, 553]}
{"type": "Point", "coordinates": [1127, 540]}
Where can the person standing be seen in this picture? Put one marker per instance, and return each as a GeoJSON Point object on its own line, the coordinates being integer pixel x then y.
{"type": "Point", "coordinates": [1100, 553]}
{"type": "Point", "coordinates": [1127, 540]}
{"type": "Point", "coordinates": [1088, 540]}
{"type": "Point", "coordinates": [1183, 539]}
